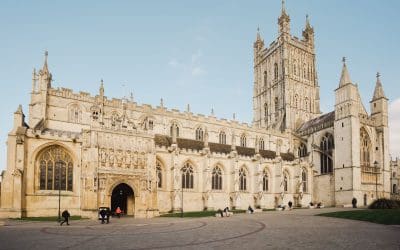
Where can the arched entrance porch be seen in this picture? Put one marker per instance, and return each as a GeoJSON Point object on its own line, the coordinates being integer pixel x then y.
{"type": "Point", "coordinates": [122, 196]}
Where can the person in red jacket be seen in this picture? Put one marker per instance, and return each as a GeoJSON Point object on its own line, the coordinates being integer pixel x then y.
{"type": "Point", "coordinates": [118, 212]}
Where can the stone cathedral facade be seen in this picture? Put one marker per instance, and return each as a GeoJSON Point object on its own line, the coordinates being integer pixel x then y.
{"type": "Point", "coordinates": [86, 151]}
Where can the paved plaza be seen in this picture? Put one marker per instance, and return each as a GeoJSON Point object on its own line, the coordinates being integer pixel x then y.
{"type": "Point", "coordinates": [294, 229]}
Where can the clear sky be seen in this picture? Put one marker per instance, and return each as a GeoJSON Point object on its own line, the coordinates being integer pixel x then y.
{"type": "Point", "coordinates": [196, 52]}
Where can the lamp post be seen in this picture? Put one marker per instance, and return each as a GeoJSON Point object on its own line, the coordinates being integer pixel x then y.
{"type": "Point", "coordinates": [376, 165]}
{"type": "Point", "coordinates": [182, 202]}
{"type": "Point", "coordinates": [59, 191]}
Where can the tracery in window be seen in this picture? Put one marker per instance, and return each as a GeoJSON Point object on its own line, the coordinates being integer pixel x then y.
{"type": "Point", "coordinates": [285, 182]}
{"type": "Point", "coordinates": [302, 151]}
{"type": "Point", "coordinates": [243, 140]}
{"type": "Point", "coordinates": [276, 71]}
{"type": "Point", "coordinates": [262, 144]}
{"type": "Point", "coordinates": [216, 180]}
{"type": "Point", "coordinates": [55, 169]}
{"type": "Point", "coordinates": [187, 176]}
{"type": "Point", "coordinates": [265, 180]}
{"type": "Point", "coordinates": [242, 179]}
{"type": "Point", "coordinates": [222, 137]}
{"type": "Point", "coordinates": [304, 180]}
{"type": "Point", "coordinates": [199, 134]}
{"type": "Point", "coordinates": [74, 113]}
{"type": "Point", "coordinates": [326, 146]}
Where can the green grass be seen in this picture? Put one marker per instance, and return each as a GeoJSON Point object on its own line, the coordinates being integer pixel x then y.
{"type": "Point", "coordinates": [381, 216]}
{"type": "Point", "coordinates": [198, 214]}
{"type": "Point", "coordinates": [50, 218]}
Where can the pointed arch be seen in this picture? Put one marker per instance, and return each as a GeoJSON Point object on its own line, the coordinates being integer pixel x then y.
{"type": "Point", "coordinates": [187, 172]}
{"type": "Point", "coordinates": [74, 113]}
{"type": "Point", "coordinates": [56, 167]}
{"type": "Point", "coordinates": [216, 179]}
{"type": "Point", "coordinates": [266, 180]}
{"type": "Point", "coordinates": [243, 173]}
{"type": "Point", "coordinates": [222, 137]}
{"type": "Point", "coordinates": [326, 146]}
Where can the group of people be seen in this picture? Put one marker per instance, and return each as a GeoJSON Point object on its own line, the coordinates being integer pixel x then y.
{"type": "Point", "coordinates": [225, 211]}
{"type": "Point", "coordinates": [104, 213]}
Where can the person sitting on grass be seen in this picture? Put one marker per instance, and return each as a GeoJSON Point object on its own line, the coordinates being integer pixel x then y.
{"type": "Point", "coordinates": [250, 210]}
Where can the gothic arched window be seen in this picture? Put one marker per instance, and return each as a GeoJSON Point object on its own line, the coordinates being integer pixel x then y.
{"type": "Point", "coordinates": [174, 126]}
{"type": "Point", "coordinates": [326, 146]}
{"type": "Point", "coordinates": [285, 182]}
{"type": "Point", "coordinates": [222, 137]}
{"type": "Point", "coordinates": [306, 104]}
{"type": "Point", "coordinates": [302, 151]}
{"type": "Point", "coordinates": [394, 188]}
{"type": "Point", "coordinates": [199, 134]}
{"type": "Point", "coordinates": [216, 181]}
{"type": "Point", "coordinates": [187, 176]}
{"type": "Point", "coordinates": [262, 144]}
{"type": "Point", "coordinates": [365, 149]}
{"type": "Point", "coordinates": [74, 114]}
{"type": "Point", "coordinates": [265, 180]}
{"type": "Point", "coordinates": [242, 179]}
{"type": "Point", "coordinates": [265, 78]}
{"type": "Point", "coordinates": [276, 71]}
{"type": "Point", "coordinates": [159, 174]}
{"type": "Point", "coordinates": [55, 169]}
{"type": "Point", "coordinates": [243, 140]}
{"type": "Point", "coordinates": [304, 180]}
{"type": "Point", "coordinates": [265, 111]}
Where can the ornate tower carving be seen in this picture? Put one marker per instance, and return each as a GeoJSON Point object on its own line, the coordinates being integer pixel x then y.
{"type": "Point", "coordinates": [286, 91]}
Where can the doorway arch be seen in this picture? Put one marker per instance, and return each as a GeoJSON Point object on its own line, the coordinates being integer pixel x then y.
{"type": "Point", "coordinates": [122, 196]}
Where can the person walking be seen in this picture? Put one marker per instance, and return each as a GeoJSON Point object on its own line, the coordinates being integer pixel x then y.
{"type": "Point", "coordinates": [103, 214]}
{"type": "Point", "coordinates": [65, 214]}
{"type": "Point", "coordinates": [118, 212]}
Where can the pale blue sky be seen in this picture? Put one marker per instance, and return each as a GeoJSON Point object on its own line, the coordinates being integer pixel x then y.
{"type": "Point", "coordinates": [197, 52]}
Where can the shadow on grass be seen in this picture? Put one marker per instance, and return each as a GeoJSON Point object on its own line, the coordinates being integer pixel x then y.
{"type": "Point", "coordinates": [380, 216]}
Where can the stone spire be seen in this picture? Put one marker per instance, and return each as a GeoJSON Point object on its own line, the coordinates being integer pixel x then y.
{"type": "Point", "coordinates": [45, 69]}
{"type": "Point", "coordinates": [378, 92]}
{"type": "Point", "coordinates": [284, 20]}
{"type": "Point", "coordinates": [259, 43]}
{"type": "Point", "coordinates": [101, 90]}
{"type": "Point", "coordinates": [345, 77]}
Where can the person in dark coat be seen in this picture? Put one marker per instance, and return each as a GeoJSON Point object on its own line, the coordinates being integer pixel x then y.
{"type": "Point", "coordinates": [103, 214]}
{"type": "Point", "coordinates": [354, 202]}
{"type": "Point", "coordinates": [65, 214]}
{"type": "Point", "coordinates": [290, 204]}
{"type": "Point", "coordinates": [250, 209]}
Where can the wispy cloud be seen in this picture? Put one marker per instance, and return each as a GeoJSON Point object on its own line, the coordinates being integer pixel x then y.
{"type": "Point", "coordinates": [190, 67]}
{"type": "Point", "coordinates": [394, 126]}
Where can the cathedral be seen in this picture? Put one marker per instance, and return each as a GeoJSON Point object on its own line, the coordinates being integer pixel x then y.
{"type": "Point", "coordinates": [80, 151]}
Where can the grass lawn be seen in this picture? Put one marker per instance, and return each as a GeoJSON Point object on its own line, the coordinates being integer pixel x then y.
{"type": "Point", "coordinates": [50, 218]}
{"type": "Point", "coordinates": [381, 216]}
{"type": "Point", "coordinates": [198, 214]}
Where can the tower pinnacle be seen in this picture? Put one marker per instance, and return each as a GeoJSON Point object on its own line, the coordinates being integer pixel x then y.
{"type": "Point", "coordinates": [378, 92]}
{"type": "Point", "coordinates": [345, 77]}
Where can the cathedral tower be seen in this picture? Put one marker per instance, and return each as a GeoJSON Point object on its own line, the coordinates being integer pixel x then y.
{"type": "Point", "coordinates": [286, 91]}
